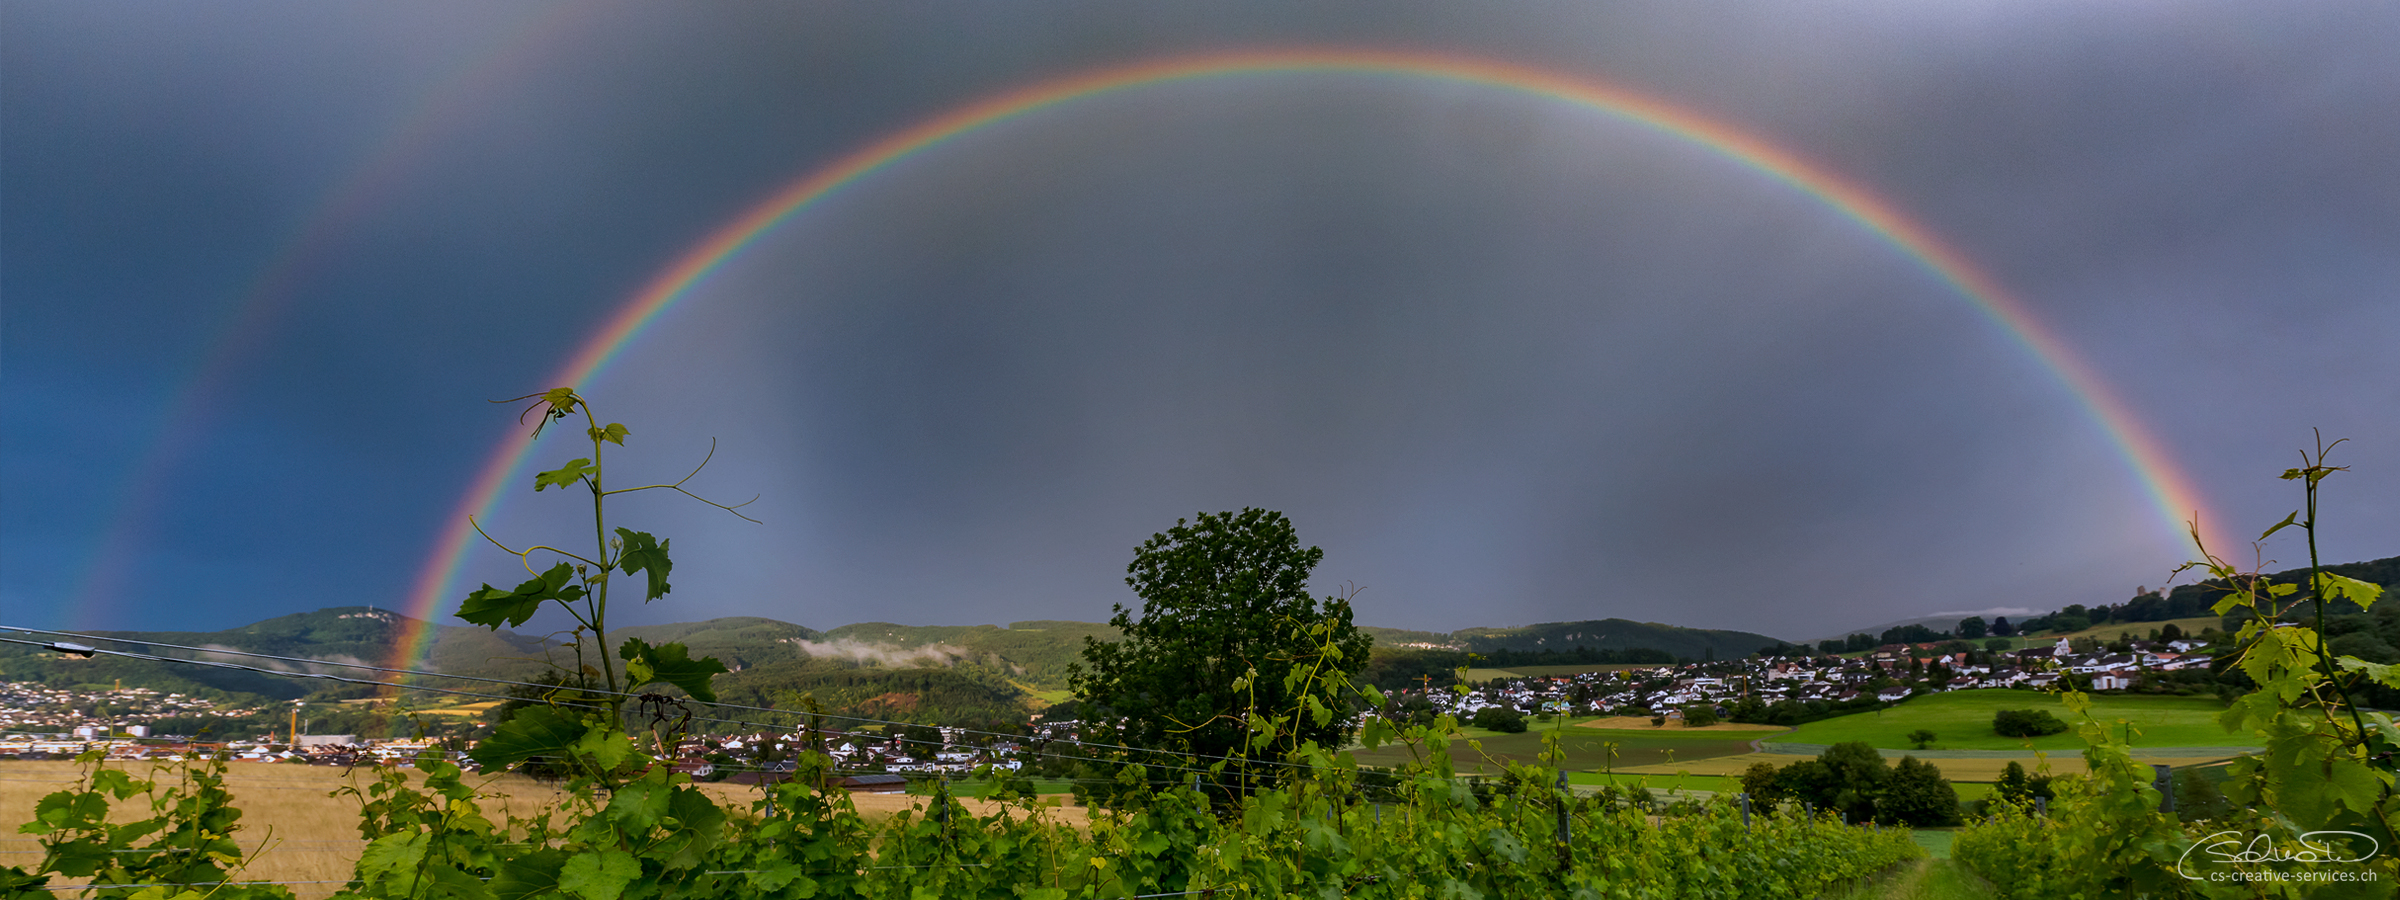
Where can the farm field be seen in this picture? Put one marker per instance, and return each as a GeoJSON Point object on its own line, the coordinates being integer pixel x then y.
{"type": "Point", "coordinates": [312, 837]}
{"type": "Point", "coordinates": [309, 835]}
{"type": "Point", "coordinates": [1585, 748]}
{"type": "Point", "coordinates": [1963, 721]}
{"type": "Point", "coordinates": [1642, 723]}
{"type": "Point", "coordinates": [1656, 780]}
{"type": "Point", "coordinates": [1665, 781]}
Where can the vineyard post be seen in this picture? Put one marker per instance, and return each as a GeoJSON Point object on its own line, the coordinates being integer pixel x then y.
{"type": "Point", "coordinates": [2041, 806]}
{"type": "Point", "coordinates": [1745, 798]}
{"type": "Point", "coordinates": [941, 805]}
{"type": "Point", "coordinates": [2164, 780]}
{"type": "Point", "coordinates": [1566, 849]}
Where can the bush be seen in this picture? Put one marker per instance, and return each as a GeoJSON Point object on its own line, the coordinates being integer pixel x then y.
{"type": "Point", "coordinates": [2018, 787]}
{"type": "Point", "coordinates": [1765, 790]}
{"type": "Point", "coordinates": [1917, 795]}
{"type": "Point", "coordinates": [1501, 719]}
{"type": "Point", "coordinates": [1699, 715]}
{"type": "Point", "coordinates": [2026, 723]}
{"type": "Point", "coordinates": [2197, 798]}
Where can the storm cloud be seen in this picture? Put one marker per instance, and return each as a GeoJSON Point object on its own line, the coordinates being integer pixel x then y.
{"type": "Point", "coordinates": [1505, 358]}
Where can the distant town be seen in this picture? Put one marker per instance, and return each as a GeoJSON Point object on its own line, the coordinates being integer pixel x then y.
{"type": "Point", "coordinates": [38, 722]}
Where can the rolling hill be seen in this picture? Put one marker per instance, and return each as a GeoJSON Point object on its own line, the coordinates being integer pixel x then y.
{"type": "Point", "coordinates": [873, 668]}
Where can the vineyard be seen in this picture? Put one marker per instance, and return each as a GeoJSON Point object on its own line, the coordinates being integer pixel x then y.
{"type": "Point", "coordinates": [1320, 833]}
{"type": "Point", "coordinates": [1277, 810]}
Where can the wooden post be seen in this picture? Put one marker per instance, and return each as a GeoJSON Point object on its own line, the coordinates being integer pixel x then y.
{"type": "Point", "coordinates": [1566, 846]}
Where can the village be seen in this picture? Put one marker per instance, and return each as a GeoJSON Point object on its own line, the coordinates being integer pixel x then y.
{"type": "Point", "coordinates": [38, 722]}
{"type": "Point", "coordinates": [1887, 674]}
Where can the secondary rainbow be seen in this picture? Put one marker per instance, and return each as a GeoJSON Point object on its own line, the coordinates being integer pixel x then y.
{"type": "Point", "coordinates": [2170, 491]}
{"type": "Point", "coordinates": [241, 336]}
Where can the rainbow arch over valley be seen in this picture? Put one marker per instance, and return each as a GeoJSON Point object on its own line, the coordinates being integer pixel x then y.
{"type": "Point", "coordinates": [2176, 499]}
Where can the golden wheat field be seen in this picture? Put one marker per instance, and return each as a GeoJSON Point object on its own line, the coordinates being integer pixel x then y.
{"type": "Point", "coordinates": [301, 833]}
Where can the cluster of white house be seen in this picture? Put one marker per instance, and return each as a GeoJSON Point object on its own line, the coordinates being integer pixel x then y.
{"type": "Point", "coordinates": [27, 706]}
{"type": "Point", "coordinates": [125, 744]}
{"type": "Point", "coordinates": [850, 751]}
{"type": "Point", "coordinates": [1889, 673]}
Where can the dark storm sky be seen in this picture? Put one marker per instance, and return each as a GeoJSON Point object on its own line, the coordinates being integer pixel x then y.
{"type": "Point", "coordinates": [1505, 359]}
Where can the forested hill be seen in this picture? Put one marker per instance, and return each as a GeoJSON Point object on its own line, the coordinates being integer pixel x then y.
{"type": "Point", "coordinates": [899, 671]}
{"type": "Point", "coordinates": [1590, 634]}
{"type": "Point", "coordinates": [347, 634]}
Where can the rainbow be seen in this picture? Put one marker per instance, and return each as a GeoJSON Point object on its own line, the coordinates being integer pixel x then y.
{"type": "Point", "coordinates": [2172, 493]}
{"type": "Point", "coordinates": [316, 239]}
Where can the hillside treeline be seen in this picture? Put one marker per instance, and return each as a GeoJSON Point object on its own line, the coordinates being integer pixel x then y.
{"type": "Point", "coordinates": [931, 695]}
{"type": "Point", "coordinates": [2192, 600]}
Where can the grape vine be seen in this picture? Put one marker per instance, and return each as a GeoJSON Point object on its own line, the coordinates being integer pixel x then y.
{"type": "Point", "coordinates": [2314, 809]}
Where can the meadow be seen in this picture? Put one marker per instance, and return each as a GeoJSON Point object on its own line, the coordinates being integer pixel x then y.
{"type": "Point", "coordinates": [2109, 631]}
{"type": "Point", "coordinates": [1959, 771]}
{"type": "Point", "coordinates": [1586, 748]}
{"type": "Point", "coordinates": [1962, 720]}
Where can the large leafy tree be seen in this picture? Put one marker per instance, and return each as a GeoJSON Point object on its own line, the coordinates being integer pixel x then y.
{"type": "Point", "coordinates": [1227, 639]}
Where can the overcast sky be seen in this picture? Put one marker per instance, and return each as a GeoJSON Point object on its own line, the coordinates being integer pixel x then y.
{"type": "Point", "coordinates": [1507, 360]}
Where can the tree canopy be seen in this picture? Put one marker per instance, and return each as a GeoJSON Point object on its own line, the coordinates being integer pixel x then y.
{"type": "Point", "coordinates": [1227, 631]}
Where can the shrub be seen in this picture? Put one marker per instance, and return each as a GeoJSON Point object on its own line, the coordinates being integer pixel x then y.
{"type": "Point", "coordinates": [1501, 719]}
{"type": "Point", "coordinates": [1699, 715]}
{"type": "Point", "coordinates": [2017, 787]}
{"type": "Point", "coordinates": [1917, 795]}
{"type": "Point", "coordinates": [2026, 723]}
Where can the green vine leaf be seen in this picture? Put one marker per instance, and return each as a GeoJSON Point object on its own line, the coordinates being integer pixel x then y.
{"type": "Point", "coordinates": [774, 878]}
{"type": "Point", "coordinates": [2384, 674]}
{"type": "Point", "coordinates": [2288, 521]}
{"type": "Point", "coordinates": [615, 433]}
{"type": "Point", "coordinates": [648, 555]}
{"type": "Point", "coordinates": [64, 811]}
{"type": "Point", "coordinates": [575, 470]}
{"type": "Point", "coordinates": [392, 856]}
{"type": "Point", "coordinates": [536, 731]}
{"type": "Point", "coordinates": [607, 748]}
{"type": "Point", "coordinates": [491, 607]}
{"type": "Point", "coordinates": [599, 874]}
{"type": "Point", "coordinates": [669, 664]}
{"type": "Point", "coordinates": [530, 875]}
{"type": "Point", "coordinates": [2362, 593]}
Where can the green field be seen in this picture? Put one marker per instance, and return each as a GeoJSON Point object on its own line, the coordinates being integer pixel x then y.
{"type": "Point", "coordinates": [1963, 720]}
{"type": "Point", "coordinates": [2109, 631]}
{"type": "Point", "coordinates": [1585, 748]}
{"type": "Point", "coordinates": [1660, 782]}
